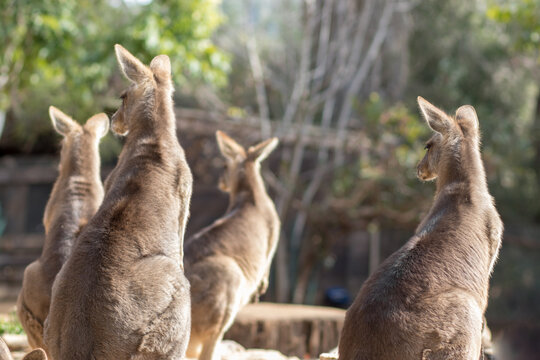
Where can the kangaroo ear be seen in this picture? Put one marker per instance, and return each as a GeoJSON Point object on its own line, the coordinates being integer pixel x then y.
{"type": "Point", "coordinates": [261, 151]}
{"type": "Point", "coordinates": [98, 124]}
{"type": "Point", "coordinates": [436, 118]}
{"type": "Point", "coordinates": [132, 68]}
{"type": "Point", "coordinates": [161, 67]}
{"type": "Point", "coordinates": [228, 147]}
{"type": "Point", "coordinates": [37, 354]}
{"type": "Point", "coordinates": [62, 123]}
{"type": "Point", "coordinates": [467, 120]}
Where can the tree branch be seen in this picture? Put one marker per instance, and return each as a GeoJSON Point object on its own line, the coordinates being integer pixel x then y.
{"type": "Point", "coordinates": [361, 74]}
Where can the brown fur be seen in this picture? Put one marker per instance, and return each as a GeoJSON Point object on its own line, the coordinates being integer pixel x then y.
{"type": "Point", "coordinates": [37, 354]}
{"type": "Point", "coordinates": [122, 294]}
{"type": "Point", "coordinates": [75, 198]}
{"type": "Point", "coordinates": [426, 301]}
{"type": "Point", "coordinates": [228, 263]}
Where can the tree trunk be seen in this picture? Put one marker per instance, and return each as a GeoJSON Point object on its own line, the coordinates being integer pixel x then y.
{"type": "Point", "coordinates": [536, 140]}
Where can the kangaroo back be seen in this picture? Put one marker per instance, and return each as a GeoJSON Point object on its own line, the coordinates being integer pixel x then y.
{"type": "Point", "coordinates": [426, 301]}
{"type": "Point", "coordinates": [228, 262]}
{"type": "Point", "coordinates": [76, 196]}
{"type": "Point", "coordinates": [122, 294]}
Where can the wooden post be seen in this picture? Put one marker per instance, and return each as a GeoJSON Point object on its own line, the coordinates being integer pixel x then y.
{"type": "Point", "coordinates": [294, 330]}
{"type": "Point", "coordinates": [374, 246]}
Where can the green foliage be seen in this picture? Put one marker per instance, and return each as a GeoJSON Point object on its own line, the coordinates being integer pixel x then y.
{"type": "Point", "coordinates": [396, 138]}
{"type": "Point", "coordinates": [49, 57]}
{"type": "Point", "coordinates": [181, 29]}
{"type": "Point", "coordinates": [11, 325]}
{"type": "Point", "coordinates": [460, 56]}
{"type": "Point", "coordinates": [521, 19]}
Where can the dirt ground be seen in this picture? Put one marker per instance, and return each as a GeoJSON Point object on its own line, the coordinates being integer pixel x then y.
{"type": "Point", "coordinates": [230, 350]}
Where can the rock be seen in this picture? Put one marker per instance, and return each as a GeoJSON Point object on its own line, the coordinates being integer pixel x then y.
{"type": "Point", "coordinates": [229, 347]}
{"type": "Point", "coordinates": [332, 355]}
{"type": "Point", "coordinates": [231, 350]}
{"type": "Point", "coordinates": [259, 354]}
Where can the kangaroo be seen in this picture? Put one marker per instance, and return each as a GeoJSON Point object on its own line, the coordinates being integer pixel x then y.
{"type": "Point", "coordinates": [427, 300]}
{"type": "Point", "coordinates": [37, 354]}
{"type": "Point", "coordinates": [75, 197]}
{"type": "Point", "coordinates": [228, 262]}
{"type": "Point", "coordinates": [122, 294]}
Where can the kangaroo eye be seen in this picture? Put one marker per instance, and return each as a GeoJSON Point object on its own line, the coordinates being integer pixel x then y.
{"type": "Point", "coordinates": [427, 146]}
{"type": "Point", "coordinates": [123, 96]}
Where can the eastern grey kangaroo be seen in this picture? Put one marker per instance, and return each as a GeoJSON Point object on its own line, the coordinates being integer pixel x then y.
{"type": "Point", "coordinates": [75, 198]}
{"type": "Point", "coordinates": [427, 300]}
{"type": "Point", "coordinates": [122, 294]}
{"type": "Point", "coordinates": [228, 262]}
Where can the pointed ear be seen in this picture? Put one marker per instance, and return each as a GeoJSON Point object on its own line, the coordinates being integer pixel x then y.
{"type": "Point", "coordinates": [98, 124]}
{"type": "Point", "coordinates": [37, 354]}
{"type": "Point", "coordinates": [62, 123]}
{"type": "Point", "coordinates": [161, 67]}
{"type": "Point", "coordinates": [467, 120]}
{"type": "Point", "coordinates": [132, 68]}
{"type": "Point", "coordinates": [436, 118]}
{"type": "Point", "coordinates": [261, 151]}
{"type": "Point", "coordinates": [228, 147]}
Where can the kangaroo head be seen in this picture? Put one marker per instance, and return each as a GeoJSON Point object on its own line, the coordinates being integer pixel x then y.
{"type": "Point", "coordinates": [75, 135]}
{"type": "Point", "coordinates": [241, 164]}
{"type": "Point", "coordinates": [146, 81]}
{"type": "Point", "coordinates": [452, 138]}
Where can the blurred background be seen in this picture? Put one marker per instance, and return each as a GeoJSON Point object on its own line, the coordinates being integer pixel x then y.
{"type": "Point", "coordinates": [336, 81]}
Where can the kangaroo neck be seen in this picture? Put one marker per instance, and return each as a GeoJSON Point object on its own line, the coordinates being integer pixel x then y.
{"type": "Point", "coordinates": [79, 156]}
{"type": "Point", "coordinates": [78, 181]}
{"type": "Point", "coordinates": [465, 168]}
{"type": "Point", "coordinates": [239, 200]}
{"type": "Point", "coordinates": [156, 121]}
{"type": "Point", "coordinates": [250, 188]}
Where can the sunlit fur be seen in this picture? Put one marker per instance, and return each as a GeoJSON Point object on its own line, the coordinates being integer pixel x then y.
{"type": "Point", "coordinates": [427, 300]}
{"type": "Point", "coordinates": [228, 263]}
{"type": "Point", "coordinates": [122, 294]}
{"type": "Point", "coordinates": [75, 198]}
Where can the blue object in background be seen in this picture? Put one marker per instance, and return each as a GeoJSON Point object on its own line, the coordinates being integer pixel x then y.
{"type": "Point", "coordinates": [337, 297]}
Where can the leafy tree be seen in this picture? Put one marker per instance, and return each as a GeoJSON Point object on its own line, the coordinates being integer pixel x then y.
{"type": "Point", "coordinates": [521, 21]}
{"type": "Point", "coordinates": [311, 65]}
{"type": "Point", "coordinates": [455, 55]}
{"type": "Point", "coordinates": [62, 54]}
{"type": "Point", "coordinates": [459, 57]}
